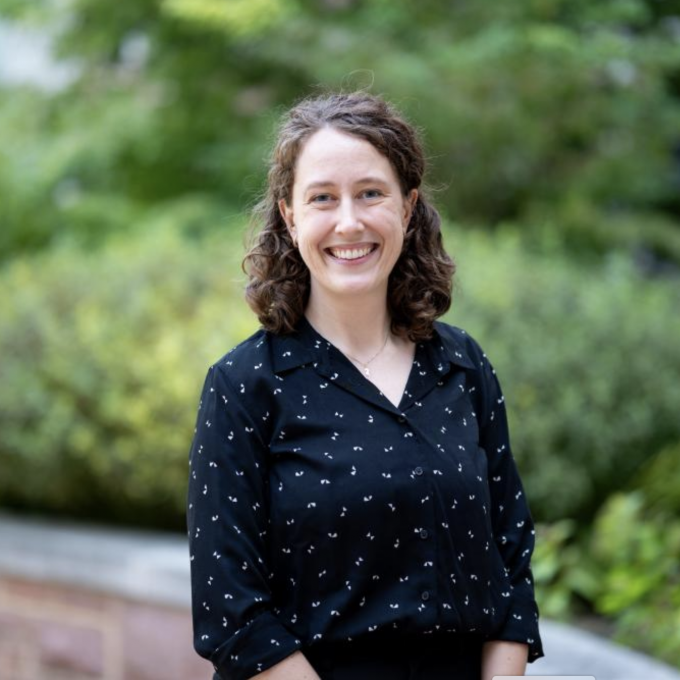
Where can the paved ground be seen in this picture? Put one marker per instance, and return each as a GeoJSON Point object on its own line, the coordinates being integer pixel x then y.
{"type": "Point", "coordinates": [154, 569]}
{"type": "Point", "coordinates": [569, 651]}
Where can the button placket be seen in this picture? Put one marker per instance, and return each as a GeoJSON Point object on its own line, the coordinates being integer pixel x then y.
{"type": "Point", "coordinates": [420, 476]}
{"type": "Point", "coordinates": [426, 548]}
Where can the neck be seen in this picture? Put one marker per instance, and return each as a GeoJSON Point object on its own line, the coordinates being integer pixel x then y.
{"type": "Point", "coordinates": [358, 329]}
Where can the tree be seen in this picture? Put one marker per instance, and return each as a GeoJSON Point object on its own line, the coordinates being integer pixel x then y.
{"type": "Point", "coordinates": [556, 115]}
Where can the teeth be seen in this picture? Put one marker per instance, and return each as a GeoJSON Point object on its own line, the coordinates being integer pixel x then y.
{"type": "Point", "coordinates": [352, 254]}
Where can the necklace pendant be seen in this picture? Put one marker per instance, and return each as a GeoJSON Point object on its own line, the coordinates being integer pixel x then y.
{"type": "Point", "coordinates": [367, 371]}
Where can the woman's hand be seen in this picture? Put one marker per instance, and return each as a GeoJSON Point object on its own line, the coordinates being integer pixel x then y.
{"type": "Point", "coordinates": [293, 667]}
{"type": "Point", "coordinates": [500, 657]}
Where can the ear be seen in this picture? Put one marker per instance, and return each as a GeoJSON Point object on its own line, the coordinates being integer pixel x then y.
{"type": "Point", "coordinates": [409, 204]}
{"type": "Point", "coordinates": [287, 215]}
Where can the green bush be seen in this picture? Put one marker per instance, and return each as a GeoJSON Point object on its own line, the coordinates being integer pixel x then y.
{"type": "Point", "coordinates": [104, 356]}
{"type": "Point", "coordinates": [105, 351]}
{"type": "Point", "coordinates": [638, 557]}
{"type": "Point", "coordinates": [624, 568]}
{"type": "Point", "coordinates": [659, 481]}
{"type": "Point", "coordinates": [588, 358]}
{"type": "Point", "coordinates": [563, 572]}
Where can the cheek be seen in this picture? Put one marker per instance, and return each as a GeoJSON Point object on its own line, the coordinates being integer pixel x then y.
{"type": "Point", "coordinates": [397, 226]}
{"type": "Point", "coordinates": [313, 228]}
{"type": "Point", "coordinates": [310, 242]}
{"type": "Point", "coordinates": [398, 247]}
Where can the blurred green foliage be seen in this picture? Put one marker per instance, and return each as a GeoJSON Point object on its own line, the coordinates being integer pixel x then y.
{"type": "Point", "coordinates": [104, 357]}
{"type": "Point", "coordinates": [660, 479]}
{"type": "Point", "coordinates": [559, 115]}
{"type": "Point", "coordinates": [563, 572]}
{"type": "Point", "coordinates": [625, 567]}
{"type": "Point", "coordinates": [637, 555]}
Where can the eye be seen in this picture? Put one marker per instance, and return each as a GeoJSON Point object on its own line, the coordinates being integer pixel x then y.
{"type": "Point", "coordinates": [372, 193]}
{"type": "Point", "coordinates": [321, 198]}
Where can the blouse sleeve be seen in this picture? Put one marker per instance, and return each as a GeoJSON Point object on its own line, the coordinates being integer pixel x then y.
{"type": "Point", "coordinates": [512, 524]}
{"type": "Point", "coordinates": [227, 519]}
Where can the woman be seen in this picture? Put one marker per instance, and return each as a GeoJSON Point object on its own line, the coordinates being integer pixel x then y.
{"type": "Point", "coordinates": [354, 508]}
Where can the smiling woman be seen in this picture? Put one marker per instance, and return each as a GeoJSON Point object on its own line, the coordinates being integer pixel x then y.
{"type": "Point", "coordinates": [420, 282]}
{"type": "Point", "coordinates": [354, 506]}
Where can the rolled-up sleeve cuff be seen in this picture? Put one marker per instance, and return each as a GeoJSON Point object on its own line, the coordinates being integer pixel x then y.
{"type": "Point", "coordinates": [254, 648]}
{"type": "Point", "coordinates": [521, 625]}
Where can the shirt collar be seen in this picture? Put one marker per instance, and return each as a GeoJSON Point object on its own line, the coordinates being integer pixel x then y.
{"type": "Point", "coordinates": [446, 348]}
{"type": "Point", "coordinates": [306, 346]}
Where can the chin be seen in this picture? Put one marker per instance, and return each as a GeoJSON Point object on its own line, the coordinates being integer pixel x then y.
{"type": "Point", "coordinates": [359, 289]}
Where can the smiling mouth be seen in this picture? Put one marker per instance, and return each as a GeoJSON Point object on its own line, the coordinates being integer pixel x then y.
{"type": "Point", "coordinates": [351, 253]}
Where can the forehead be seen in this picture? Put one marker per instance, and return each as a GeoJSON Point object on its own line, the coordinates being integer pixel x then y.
{"type": "Point", "coordinates": [335, 156]}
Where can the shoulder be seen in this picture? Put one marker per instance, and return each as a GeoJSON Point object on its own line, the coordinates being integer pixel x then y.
{"type": "Point", "coordinates": [458, 341]}
{"type": "Point", "coordinates": [450, 332]}
{"type": "Point", "coordinates": [483, 378]}
{"type": "Point", "coordinates": [245, 378]}
{"type": "Point", "coordinates": [242, 361]}
{"type": "Point", "coordinates": [249, 348]}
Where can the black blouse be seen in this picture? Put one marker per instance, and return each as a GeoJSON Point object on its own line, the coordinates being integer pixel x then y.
{"type": "Point", "coordinates": [317, 510]}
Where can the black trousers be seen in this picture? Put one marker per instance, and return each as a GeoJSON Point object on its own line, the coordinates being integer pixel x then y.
{"type": "Point", "coordinates": [424, 657]}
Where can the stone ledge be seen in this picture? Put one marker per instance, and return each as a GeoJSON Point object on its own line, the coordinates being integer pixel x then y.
{"type": "Point", "coordinates": [570, 651]}
{"type": "Point", "coordinates": [138, 565]}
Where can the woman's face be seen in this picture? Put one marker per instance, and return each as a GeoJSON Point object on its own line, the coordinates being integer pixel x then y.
{"type": "Point", "coordinates": [348, 215]}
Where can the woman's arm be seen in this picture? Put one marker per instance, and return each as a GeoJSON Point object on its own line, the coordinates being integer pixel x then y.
{"type": "Point", "coordinates": [512, 524]}
{"type": "Point", "coordinates": [503, 658]}
{"type": "Point", "coordinates": [235, 625]}
{"type": "Point", "coordinates": [293, 667]}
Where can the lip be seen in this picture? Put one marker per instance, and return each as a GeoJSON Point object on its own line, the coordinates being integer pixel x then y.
{"type": "Point", "coordinates": [349, 248]}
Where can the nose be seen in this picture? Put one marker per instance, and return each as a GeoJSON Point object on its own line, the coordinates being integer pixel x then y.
{"type": "Point", "coordinates": [349, 220]}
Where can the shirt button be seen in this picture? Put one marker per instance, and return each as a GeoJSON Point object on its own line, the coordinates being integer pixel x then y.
{"type": "Point", "coordinates": [424, 533]}
{"type": "Point", "coordinates": [424, 596]}
{"type": "Point", "coordinates": [402, 419]}
{"type": "Point", "coordinates": [418, 471]}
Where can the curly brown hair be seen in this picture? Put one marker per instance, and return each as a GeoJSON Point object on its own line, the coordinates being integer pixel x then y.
{"type": "Point", "coordinates": [419, 286]}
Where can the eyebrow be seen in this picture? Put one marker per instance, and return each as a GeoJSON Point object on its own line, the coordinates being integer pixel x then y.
{"type": "Point", "coordinates": [328, 183]}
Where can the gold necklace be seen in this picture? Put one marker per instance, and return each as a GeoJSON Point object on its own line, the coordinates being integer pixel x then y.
{"type": "Point", "coordinates": [365, 364]}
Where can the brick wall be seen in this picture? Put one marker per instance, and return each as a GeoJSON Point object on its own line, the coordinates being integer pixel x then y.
{"type": "Point", "coordinates": [56, 632]}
